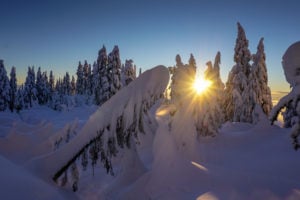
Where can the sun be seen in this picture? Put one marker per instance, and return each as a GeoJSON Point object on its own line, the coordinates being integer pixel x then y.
{"type": "Point", "coordinates": [201, 85]}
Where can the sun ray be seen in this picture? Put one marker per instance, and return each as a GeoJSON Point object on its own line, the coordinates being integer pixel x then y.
{"type": "Point", "coordinates": [201, 85]}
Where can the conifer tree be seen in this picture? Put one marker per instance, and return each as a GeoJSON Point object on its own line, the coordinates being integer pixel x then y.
{"type": "Point", "coordinates": [30, 88]}
{"type": "Point", "coordinates": [19, 101]}
{"type": "Point", "coordinates": [192, 66]}
{"type": "Point", "coordinates": [4, 88]}
{"type": "Point", "coordinates": [102, 94]}
{"type": "Point", "coordinates": [129, 71]}
{"type": "Point", "coordinates": [80, 79]}
{"type": "Point", "coordinates": [51, 82]}
{"type": "Point", "coordinates": [73, 86]}
{"type": "Point", "coordinates": [259, 80]}
{"type": "Point", "coordinates": [176, 76]}
{"type": "Point", "coordinates": [235, 99]}
{"type": "Point", "coordinates": [39, 86]}
{"type": "Point", "coordinates": [114, 70]}
{"type": "Point", "coordinates": [12, 88]}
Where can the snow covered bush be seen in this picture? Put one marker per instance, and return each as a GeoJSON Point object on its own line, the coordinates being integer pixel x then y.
{"type": "Point", "coordinates": [291, 67]}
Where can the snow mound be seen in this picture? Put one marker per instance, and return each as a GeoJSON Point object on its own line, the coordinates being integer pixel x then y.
{"type": "Point", "coordinates": [16, 183]}
{"type": "Point", "coordinates": [291, 64]}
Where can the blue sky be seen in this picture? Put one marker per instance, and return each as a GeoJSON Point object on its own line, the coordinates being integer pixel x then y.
{"type": "Point", "coordinates": [57, 34]}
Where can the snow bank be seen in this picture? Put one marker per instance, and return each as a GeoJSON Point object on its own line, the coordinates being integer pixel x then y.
{"type": "Point", "coordinates": [16, 183]}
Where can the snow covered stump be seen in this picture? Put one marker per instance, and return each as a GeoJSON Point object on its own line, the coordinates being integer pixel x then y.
{"type": "Point", "coordinates": [291, 67]}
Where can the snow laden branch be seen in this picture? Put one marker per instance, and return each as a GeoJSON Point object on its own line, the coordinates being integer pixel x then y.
{"type": "Point", "coordinates": [111, 126]}
{"type": "Point", "coordinates": [290, 100]}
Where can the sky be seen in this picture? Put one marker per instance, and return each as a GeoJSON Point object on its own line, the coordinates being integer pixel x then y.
{"type": "Point", "coordinates": [57, 34]}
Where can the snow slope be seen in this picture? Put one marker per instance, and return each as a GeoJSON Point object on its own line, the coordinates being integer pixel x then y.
{"type": "Point", "coordinates": [243, 162]}
{"type": "Point", "coordinates": [16, 183]}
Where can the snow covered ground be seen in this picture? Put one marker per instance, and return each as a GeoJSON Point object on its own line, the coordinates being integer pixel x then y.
{"type": "Point", "coordinates": [243, 161]}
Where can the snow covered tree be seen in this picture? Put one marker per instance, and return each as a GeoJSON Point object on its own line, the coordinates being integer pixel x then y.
{"type": "Point", "coordinates": [12, 88]}
{"type": "Point", "coordinates": [129, 71]}
{"type": "Point", "coordinates": [258, 90]}
{"type": "Point", "coordinates": [176, 78]}
{"type": "Point", "coordinates": [30, 88]}
{"type": "Point", "coordinates": [218, 86]}
{"type": "Point", "coordinates": [114, 69]}
{"type": "Point", "coordinates": [87, 76]}
{"type": "Point", "coordinates": [104, 141]}
{"type": "Point", "coordinates": [19, 101]}
{"type": "Point", "coordinates": [39, 86]}
{"type": "Point", "coordinates": [4, 88]}
{"type": "Point", "coordinates": [263, 94]}
{"type": "Point", "coordinates": [235, 104]}
{"type": "Point", "coordinates": [102, 93]}
{"type": "Point", "coordinates": [209, 113]}
{"type": "Point", "coordinates": [192, 66]}
{"type": "Point", "coordinates": [80, 79]}
{"type": "Point", "coordinates": [73, 86]}
{"type": "Point", "coordinates": [51, 82]}
{"type": "Point", "coordinates": [291, 63]}
{"type": "Point", "coordinates": [66, 84]}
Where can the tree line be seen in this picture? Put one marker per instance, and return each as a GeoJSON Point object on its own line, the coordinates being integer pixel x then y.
{"type": "Point", "coordinates": [93, 84]}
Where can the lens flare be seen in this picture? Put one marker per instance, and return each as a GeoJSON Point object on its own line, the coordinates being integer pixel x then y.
{"type": "Point", "coordinates": [201, 85]}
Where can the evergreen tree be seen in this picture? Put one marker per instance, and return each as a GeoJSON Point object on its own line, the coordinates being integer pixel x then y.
{"type": "Point", "coordinates": [39, 86]}
{"type": "Point", "coordinates": [96, 82]}
{"type": "Point", "coordinates": [175, 84]}
{"type": "Point", "coordinates": [208, 111]}
{"type": "Point", "coordinates": [66, 84]}
{"type": "Point", "coordinates": [13, 88]}
{"type": "Point", "coordinates": [19, 101]}
{"type": "Point", "coordinates": [73, 86]}
{"type": "Point", "coordinates": [51, 82]}
{"type": "Point", "coordinates": [129, 71]}
{"type": "Point", "coordinates": [4, 88]}
{"type": "Point", "coordinates": [114, 70]}
{"type": "Point", "coordinates": [259, 80]}
{"type": "Point", "coordinates": [192, 66]}
{"type": "Point", "coordinates": [80, 79]}
{"type": "Point", "coordinates": [235, 100]}
{"type": "Point", "coordinates": [87, 78]}
{"type": "Point", "coordinates": [102, 93]}
{"type": "Point", "coordinates": [30, 88]}
{"type": "Point", "coordinates": [218, 86]}
{"type": "Point", "coordinates": [46, 88]}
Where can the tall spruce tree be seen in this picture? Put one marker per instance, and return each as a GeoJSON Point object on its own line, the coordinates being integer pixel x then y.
{"type": "Point", "coordinates": [80, 79]}
{"type": "Point", "coordinates": [129, 71]}
{"type": "Point", "coordinates": [259, 81]}
{"type": "Point", "coordinates": [19, 101]}
{"type": "Point", "coordinates": [12, 88]}
{"type": "Point", "coordinates": [4, 88]}
{"type": "Point", "coordinates": [114, 69]}
{"type": "Point", "coordinates": [30, 88]}
{"type": "Point", "coordinates": [102, 92]}
{"type": "Point", "coordinates": [235, 100]}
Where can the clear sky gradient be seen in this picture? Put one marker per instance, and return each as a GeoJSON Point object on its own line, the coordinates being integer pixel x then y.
{"type": "Point", "coordinates": [56, 34]}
